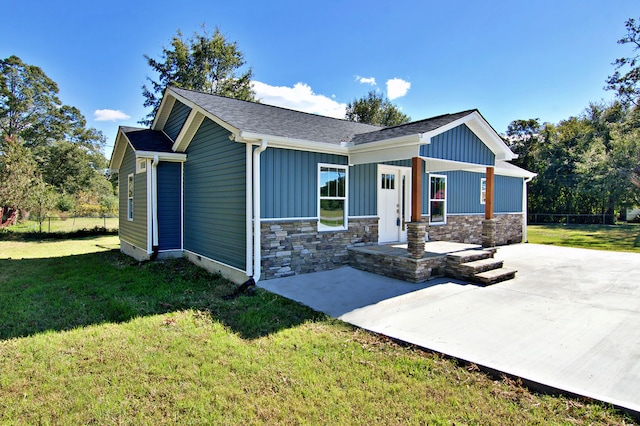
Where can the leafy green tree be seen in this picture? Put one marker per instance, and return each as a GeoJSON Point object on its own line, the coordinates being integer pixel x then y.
{"type": "Point", "coordinates": [55, 144]}
{"type": "Point", "coordinates": [626, 78]}
{"type": "Point", "coordinates": [375, 109]}
{"type": "Point", "coordinates": [29, 103]}
{"type": "Point", "coordinates": [18, 171]}
{"type": "Point", "coordinates": [42, 199]}
{"type": "Point", "coordinates": [208, 63]}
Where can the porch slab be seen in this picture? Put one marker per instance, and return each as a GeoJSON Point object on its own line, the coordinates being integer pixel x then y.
{"type": "Point", "coordinates": [567, 321]}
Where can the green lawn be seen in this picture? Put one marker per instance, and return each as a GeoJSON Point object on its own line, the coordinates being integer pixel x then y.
{"type": "Point", "coordinates": [56, 224]}
{"type": "Point", "coordinates": [623, 237]}
{"type": "Point", "coordinates": [88, 335]}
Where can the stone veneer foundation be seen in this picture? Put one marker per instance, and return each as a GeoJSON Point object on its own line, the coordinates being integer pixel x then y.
{"type": "Point", "coordinates": [291, 247]}
{"type": "Point", "coordinates": [468, 229]}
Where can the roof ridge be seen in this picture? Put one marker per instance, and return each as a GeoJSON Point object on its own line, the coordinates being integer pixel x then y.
{"type": "Point", "coordinates": [277, 107]}
{"type": "Point", "coordinates": [468, 111]}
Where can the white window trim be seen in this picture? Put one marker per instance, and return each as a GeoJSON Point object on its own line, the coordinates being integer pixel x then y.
{"type": "Point", "coordinates": [483, 189]}
{"type": "Point", "coordinates": [130, 199]}
{"type": "Point", "coordinates": [446, 195]}
{"type": "Point", "coordinates": [324, 228]}
{"type": "Point", "coordinates": [141, 165]}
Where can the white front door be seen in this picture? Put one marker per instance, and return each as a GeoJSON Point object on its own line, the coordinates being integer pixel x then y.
{"type": "Point", "coordinates": [394, 203]}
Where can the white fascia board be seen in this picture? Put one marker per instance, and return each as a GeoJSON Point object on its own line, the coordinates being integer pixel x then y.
{"type": "Point", "coordinates": [162, 156]}
{"type": "Point", "coordinates": [485, 132]}
{"type": "Point", "coordinates": [384, 154]}
{"type": "Point", "coordinates": [413, 139]}
{"type": "Point", "coordinates": [164, 110]}
{"type": "Point", "coordinates": [435, 132]}
{"type": "Point", "coordinates": [119, 149]}
{"type": "Point", "coordinates": [188, 131]}
{"type": "Point", "coordinates": [478, 125]}
{"type": "Point", "coordinates": [439, 165]}
{"type": "Point", "coordinates": [291, 143]}
{"type": "Point", "coordinates": [206, 113]}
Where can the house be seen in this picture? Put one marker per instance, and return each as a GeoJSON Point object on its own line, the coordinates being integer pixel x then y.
{"type": "Point", "coordinates": [253, 190]}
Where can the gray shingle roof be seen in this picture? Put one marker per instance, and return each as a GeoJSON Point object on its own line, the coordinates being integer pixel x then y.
{"type": "Point", "coordinates": [412, 128]}
{"type": "Point", "coordinates": [276, 121]}
{"type": "Point", "coordinates": [147, 139]}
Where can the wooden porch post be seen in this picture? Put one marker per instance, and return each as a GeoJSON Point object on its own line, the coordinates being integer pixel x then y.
{"type": "Point", "coordinates": [489, 224]}
{"type": "Point", "coordinates": [416, 229]}
{"type": "Point", "coordinates": [416, 189]}
{"type": "Point", "coordinates": [488, 204]}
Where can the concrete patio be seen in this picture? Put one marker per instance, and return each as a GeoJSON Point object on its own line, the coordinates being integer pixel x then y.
{"type": "Point", "coordinates": [570, 320]}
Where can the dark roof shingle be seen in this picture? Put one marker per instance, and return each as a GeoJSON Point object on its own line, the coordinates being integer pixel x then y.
{"type": "Point", "coordinates": [147, 139]}
{"type": "Point", "coordinates": [412, 128]}
{"type": "Point", "coordinates": [276, 121]}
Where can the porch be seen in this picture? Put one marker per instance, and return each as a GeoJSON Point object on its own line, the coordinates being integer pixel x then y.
{"type": "Point", "coordinates": [469, 262]}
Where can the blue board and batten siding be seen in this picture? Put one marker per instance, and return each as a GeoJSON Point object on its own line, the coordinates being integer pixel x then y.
{"type": "Point", "coordinates": [133, 231]}
{"type": "Point", "coordinates": [459, 144]}
{"type": "Point", "coordinates": [215, 196]}
{"type": "Point", "coordinates": [176, 120]}
{"type": "Point", "coordinates": [508, 194]}
{"type": "Point", "coordinates": [289, 182]}
{"type": "Point", "coordinates": [463, 193]}
{"type": "Point", "coordinates": [169, 206]}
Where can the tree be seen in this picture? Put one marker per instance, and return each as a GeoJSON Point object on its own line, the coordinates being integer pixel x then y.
{"type": "Point", "coordinates": [205, 63]}
{"type": "Point", "coordinates": [44, 143]}
{"type": "Point", "coordinates": [626, 78]}
{"type": "Point", "coordinates": [18, 171]}
{"type": "Point", "coordinates": [29, 104]}
{"type": "Point", "coordinates": [375, 109]}
{"type": "Point", "coordinates": [42, 198]}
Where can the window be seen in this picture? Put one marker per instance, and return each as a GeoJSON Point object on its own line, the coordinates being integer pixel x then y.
{"type": "Point", "coordinates": [332, 199]}
{"type": "Point", "coordinates": [130, 197]}
{"type": "Point", "coordinates": [483, 191]}
{"type": "Point", "coordinates": [438, 199]}
{"type": "Point", "coordinates": [141, 166]}
{"type": "Point", "coordinates": [388, 181]}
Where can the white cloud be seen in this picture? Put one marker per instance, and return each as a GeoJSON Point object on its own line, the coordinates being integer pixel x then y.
{"type": "Point", "coordinates": [109, 115]}
{"type": "Point", "coordinates": [366, 80]}
{"type": "Point", "coordinates": [300, 97]}
{"type": "Point", "coordinates": [397, 87]}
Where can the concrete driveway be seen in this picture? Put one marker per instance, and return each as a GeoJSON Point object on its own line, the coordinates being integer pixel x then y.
{"type": "Point", "coordinates": [569, 320]}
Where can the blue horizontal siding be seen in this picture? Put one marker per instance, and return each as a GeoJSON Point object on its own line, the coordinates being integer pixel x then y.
{"type": "Point", "coordinates": [289, 182]}
{"type": "Point", "coordinates": [169, 206]}
{"type": "Point", "coordinates": [459, 144]}
{"type": "Point", "coordinates": [214, 196]}
{"type": "Point", "coordinates": [176, 120]}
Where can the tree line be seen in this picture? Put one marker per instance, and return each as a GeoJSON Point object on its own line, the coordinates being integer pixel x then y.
{"type": "Point", "coordinates": [590, 163]}
{"type": "Point", "coordinates": [49, 158]}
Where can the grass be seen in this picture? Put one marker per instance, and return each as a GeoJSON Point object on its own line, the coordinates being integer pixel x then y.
{"type": "Point", "coordinates": [88, 335]}
{"type": "Point", "coordinates": [56, 224]}
{"type": "Point", "coordinates": [600, 237]}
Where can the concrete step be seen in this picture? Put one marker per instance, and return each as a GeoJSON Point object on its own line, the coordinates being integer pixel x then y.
{"type": "Point", "coordinates": [467, 256]}
{"type": "Point", "coordinates": [494, 276]}
{"type": "Point", "coordinates": [481, 265]}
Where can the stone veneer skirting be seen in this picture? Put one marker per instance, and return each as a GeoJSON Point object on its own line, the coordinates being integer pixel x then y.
{"type": "Point", "coordinates": [291, 247]}
{"type": "Point", "coordinates": [468, 229]}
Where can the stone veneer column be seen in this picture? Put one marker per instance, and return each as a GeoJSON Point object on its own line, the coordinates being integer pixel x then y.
{"type": "Point", "coordinates": [489, 232]}
{"type": "Point", "coordinates": [416, 233]}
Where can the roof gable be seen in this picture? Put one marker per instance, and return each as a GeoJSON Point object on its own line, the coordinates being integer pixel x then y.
{"type": "Point", "coordinates": [141, 141]}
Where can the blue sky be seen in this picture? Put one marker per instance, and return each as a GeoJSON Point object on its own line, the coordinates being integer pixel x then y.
{"type": "Point", "coordinates": [510, 59]}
